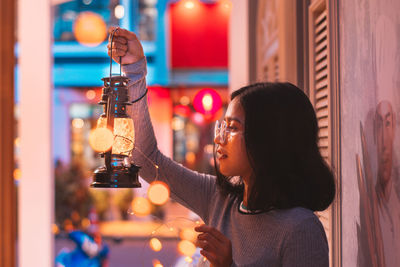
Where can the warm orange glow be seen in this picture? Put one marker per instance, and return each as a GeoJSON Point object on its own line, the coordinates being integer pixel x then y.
{"type": "Point", "coordinates": [55, 229]}
{"type": "Point", "coordinates": [158, 193]}
{"type": "Point", "coordinates": [186, 248]}
{"type": "Point", "coordinates": [207, 102]}
{"type": "Point", "coordinates": [17, 142]}
{"type": "Point", "coordinates": [141, 206]}
{"type": "Point", "coordinates": [17, 174]}
{"type": "Point", "coordinates": [157, 263]}
{"type": "Point", "coordinates": [190, 157]}
{"type": "Point", "coordinates": [227, 4]}
{"type": "Point", "coordinates": [101, 139]}
{"type": "Point", "coordinates": [155, 244]}
{"type": "Point", "coordinates": [78, 123]}
{"type": "Point", "coordinates": [124, 132]}
{"type": "Point", "coordinates": [188, 234]}
{"type": "Point", "coordinates": [90, 94]}
{"type": "Point", "coordinates": [90, 29]}
{"type": "Point", "coordinates": [189, 4]}
{"type": "Point", "coordinates": [188, 259]}
{"type": "Point", "coordinates": [85, 223]}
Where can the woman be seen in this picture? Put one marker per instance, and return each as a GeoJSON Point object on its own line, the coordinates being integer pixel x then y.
{"type": "Point", "coordinates": [258, 211]}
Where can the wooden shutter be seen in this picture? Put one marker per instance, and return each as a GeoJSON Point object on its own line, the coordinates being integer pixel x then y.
{"type": "Point", "coordinates": [267, 41]}
{"type": "Point", "coordinates": [320, 90]}
{"type": "Point", "coordinates": [7, 188]}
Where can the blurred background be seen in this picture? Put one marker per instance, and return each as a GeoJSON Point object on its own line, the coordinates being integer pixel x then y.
{"type": "Point", "coordinates": [186, 46]}
{"type": "Point", "coordinates": [343, 54]}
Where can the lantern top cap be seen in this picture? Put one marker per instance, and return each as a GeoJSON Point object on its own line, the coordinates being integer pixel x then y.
{"type": "Point", "coordinates": [115, 78]}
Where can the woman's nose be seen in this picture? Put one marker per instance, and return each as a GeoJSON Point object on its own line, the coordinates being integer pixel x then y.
{"type": "Point", "coordinates": [218, 140]}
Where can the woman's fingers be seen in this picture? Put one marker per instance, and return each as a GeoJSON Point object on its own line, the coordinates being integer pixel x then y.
{"type": "Point", "coordinates": [118, 46]}
{"type": "Point", "coordinates": [125, 44]}
{"type": "Point", "coordinates": [216, 247]}
{"type": "Point", "coordinates": [211, 257]}
{"type": "Point", "coordinates": [210, 230]}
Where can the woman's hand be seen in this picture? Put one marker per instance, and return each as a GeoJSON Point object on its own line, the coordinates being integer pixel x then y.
{"type": "Point", "coordinates": [216, 247]}
{"type": "Point", "coordinates": [125, 45]}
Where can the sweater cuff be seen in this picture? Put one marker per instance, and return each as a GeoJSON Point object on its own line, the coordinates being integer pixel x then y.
{"type": "Point", "coordinates": [136, 71]}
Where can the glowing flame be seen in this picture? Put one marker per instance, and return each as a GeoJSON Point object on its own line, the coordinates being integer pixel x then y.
{"type": "Point", "coordinates": [123, 137]}
{"type": "Point", "coordinates": [158, 193]}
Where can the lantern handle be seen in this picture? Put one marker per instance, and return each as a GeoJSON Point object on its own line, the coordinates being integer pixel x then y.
{"type": "Point", "coordinates": [120, 58]}
{"type": "Point", "coordinates": [120, 65]}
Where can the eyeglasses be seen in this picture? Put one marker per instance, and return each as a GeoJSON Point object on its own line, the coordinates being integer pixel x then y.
{"type": "Point", "coordinates": [222, 130]}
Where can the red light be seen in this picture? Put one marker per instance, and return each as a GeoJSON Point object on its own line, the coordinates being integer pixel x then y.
{"type": "Point", "coordinates": [207, 101]}
{"type": "Point", "coordinates": [182, 110]}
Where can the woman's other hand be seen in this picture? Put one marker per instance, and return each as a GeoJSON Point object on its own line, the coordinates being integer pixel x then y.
{"type": "Point", "coordinates": [125, 45]}
{"type": "Point", "coordinates": [216, 247]}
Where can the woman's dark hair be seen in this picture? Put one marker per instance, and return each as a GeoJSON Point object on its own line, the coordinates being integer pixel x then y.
{"type": "Point", "coordinates": [281, 135]}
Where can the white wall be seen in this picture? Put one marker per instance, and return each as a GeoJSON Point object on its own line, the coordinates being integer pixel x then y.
{"type": "Point", "coordinates": [35, 210]}
{"type": "Point", "coordinates": [238, 47]}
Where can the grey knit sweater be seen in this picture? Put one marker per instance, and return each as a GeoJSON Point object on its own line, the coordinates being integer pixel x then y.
{"type": "Point", "coordinates": [292, 237]}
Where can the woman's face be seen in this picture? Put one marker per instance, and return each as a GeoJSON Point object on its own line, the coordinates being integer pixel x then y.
{"type": "Point", "coordinates": [231, 152]}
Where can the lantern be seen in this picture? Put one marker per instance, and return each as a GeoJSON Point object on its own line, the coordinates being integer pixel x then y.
{"type": "Point", "coordinates": [118, 171]}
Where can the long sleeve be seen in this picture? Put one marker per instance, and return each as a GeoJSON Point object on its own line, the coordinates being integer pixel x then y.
{"type": "Point", "coordinates": [190, 188]}
{"type": "Point", "coordinates": [306, 246]}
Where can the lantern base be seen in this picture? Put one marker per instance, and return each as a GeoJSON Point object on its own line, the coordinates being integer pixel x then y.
{"type": "Point", "coordinates": [122, 177]}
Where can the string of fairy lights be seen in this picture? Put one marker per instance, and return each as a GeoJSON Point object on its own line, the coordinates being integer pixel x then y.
{"type": "Point", "coordinates": [158, 193]}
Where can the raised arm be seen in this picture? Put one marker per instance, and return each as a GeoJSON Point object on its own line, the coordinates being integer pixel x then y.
{"type": "Point", "coordinates": [191, 189]}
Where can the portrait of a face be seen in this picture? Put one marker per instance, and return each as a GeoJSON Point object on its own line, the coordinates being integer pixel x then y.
{"type": "Point", "coordinates": [384, 135]}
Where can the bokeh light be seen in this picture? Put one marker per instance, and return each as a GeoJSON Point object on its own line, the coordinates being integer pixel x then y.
{"type": "Point", "coordinates": [55, 229]}
{"type": "Point", "coordinates": [184, 100]}
{"type": "Point", "coordinates": [158, 192]}
{"type": "Point", "coordinates": [189, 4]}
{"type": "Point", "coordinates": [90, 94]}
{"type": "Point", "coordinates": [186, 248]}
{"type": "Point", "coordinates": [17, 174]}
{"type": "Point", "coordinates": [101, 139]}
{"type": "Point", "coordinates": [188, 234]}
{"type": "Point", "coordinates": [155, 244]}
{"type": "Point", "coordinates": [190, 157]}
{"type": "Point", "coordinates": [207, 102]}
{"type": "Point", "coordinates": [141, 206]}
{"type": "Point", "coordinates": [90, 29]}
{"type": "Point", "coordinates": [177, 124]}
{"type": "Point", "coordinates": [17, 142]}
{"type": "Point", "coordinates": [157, 263]}
{"type": "Point", "coordinates": [119, 11]}
{"type": "Point", "coordinates": [85, 223]}
{"type": "Point", "coordinates": [78, 123]}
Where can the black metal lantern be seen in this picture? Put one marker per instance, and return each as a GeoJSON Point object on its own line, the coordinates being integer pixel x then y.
{"type": "Point", "coordinates": [118, 171]}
